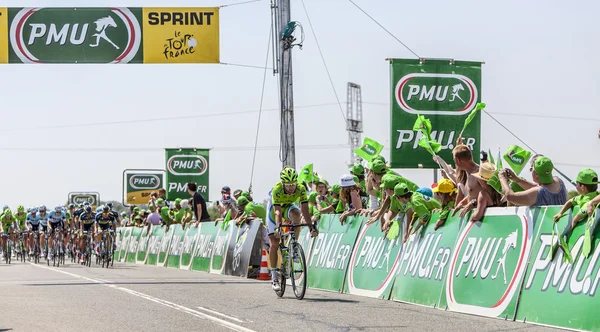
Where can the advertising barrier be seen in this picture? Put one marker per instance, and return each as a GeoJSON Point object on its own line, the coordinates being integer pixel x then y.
{"type": "Point", "coordinates": [424, 263]}
{"type": "Point", "coordinates": [373, 262]}
{"type": "Point", "coordinates": [328, 257]}
{"type": "Point", "coordinates": [142, 250]}
{"type": "Point", "coordinates": [499, 267]}
{"type": "Point", "coordinates": [556, 292]}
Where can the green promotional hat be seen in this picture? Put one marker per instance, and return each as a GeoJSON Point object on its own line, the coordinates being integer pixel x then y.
{"type": "Point", "coordinates": [357, 169]}
{"type": "Point", "coordinates": [242, 200]}
{"type": "Point", "coordinates": [389, 181]}
{"type": "Point", "coordinates": [177, 201]}
{"type": "Point", "coordinates": [543, 168]}
{"type": "Point", "coordinates": [377, 166]}
{"type": "Point", "coordinates": [587, 176]}
{"type": "Point", "coordinates": [244, 194]}
{"type": "Point", "coordinates": [336, 188]}
{"type": "Point", "coordinates": [401, 189]}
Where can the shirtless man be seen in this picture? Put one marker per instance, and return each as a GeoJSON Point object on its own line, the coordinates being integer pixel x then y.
{"type": "Point", "coordinates": [463, 159]}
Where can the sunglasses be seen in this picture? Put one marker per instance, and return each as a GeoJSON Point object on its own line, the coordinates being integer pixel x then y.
{"type": "Point", "coordinates": [288, 185]}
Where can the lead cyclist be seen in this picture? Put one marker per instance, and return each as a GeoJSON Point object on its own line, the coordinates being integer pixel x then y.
{"type": "Point", "coordinates": [282, 204]}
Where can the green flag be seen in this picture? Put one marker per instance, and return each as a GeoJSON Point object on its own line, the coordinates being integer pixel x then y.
{"type": "Point", "coordinates": [423, 125]}
{"type": "Point", "coordinates": [306, 174]}
{"type": "Point", "coordinates": [494, 181]}
{"type": "Point", "coordinates": [517, 157]}
{"type": "Point", "coordinates": [226, 221]}
{"type": "Point", "coordinates": [432, 146]}
{"type": "Point", "coordinates": [471, 116]}
{"type": "Point", "coordinates": [490, 157]}
{"type": "Point", "coordinates": [369, 149]}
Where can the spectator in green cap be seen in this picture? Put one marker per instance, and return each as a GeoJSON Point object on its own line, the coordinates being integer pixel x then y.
{"type": "Point", "coordinates": [179, 214]}
{"type": "Point", "coordinates": [349, 197]}
{"type": "Point", "coordinates": [312, 206]}
{"type": "Point", "coordinates": [358, 170]}
{"type": "Point", "coordinates": [587, 188]}
{"type": "Point", "coordinates": [422, 206]}
{"type": "Point", "coordinates": [251, 210]}
{"type": "Point", "coordinates": [549, 191]}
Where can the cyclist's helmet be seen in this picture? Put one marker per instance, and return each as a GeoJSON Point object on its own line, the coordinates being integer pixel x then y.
{"type": "Point", "coordinates": [43, 208]}
{"type": "Point", "coordinates": [5, 208]}
{"type": "Point", "coordinates": [80, 205]}
{"type": "Point", "coordinates": [20, 208]}
{"type": "Point", "coordinates": [58, 208]}
{"type": "Point", "coordinates": [105, 208]}
{"type": "Point", "coordinates": [88, 209]}
{"type": "Point", "coordinates": [86, 203]}
{"type": "Point", "coordinates": [109, 204]}
{"type": "Point", "coordinates": [98, 209]}
{"type": "Point", "coordinates": [288, 174]}
{"type": "Point", "coordinates": [34, 210]}
{"type": "Point", "coordinates": [71, 206]}
{"type": "Point", "coordinates": [8, 212]}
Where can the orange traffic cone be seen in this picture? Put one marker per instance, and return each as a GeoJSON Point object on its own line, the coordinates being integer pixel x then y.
{"type": "Point", "coordinates": [264, 270]}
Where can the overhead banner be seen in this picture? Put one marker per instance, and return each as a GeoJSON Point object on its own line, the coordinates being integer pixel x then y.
{"type": "Point", "coordinates": [109, 35]}
{"type": "Point", "coordinates": [181, 35]}
{"type": "Point", "coordinates": [183, 166]}
{"type": "Point", "coordinates": [81, 197]}
{"type": "Point", "coordinates": [139, 184]}
{"type": "Point", "coordinates": [442, 91]}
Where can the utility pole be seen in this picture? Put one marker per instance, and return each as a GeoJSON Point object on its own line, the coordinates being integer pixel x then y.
{"type": "Point", "coordinates": [284, 42]}
{"type": "Point", "coordinates": [354, 120]}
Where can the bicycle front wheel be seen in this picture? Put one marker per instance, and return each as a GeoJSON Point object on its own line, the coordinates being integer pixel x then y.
{"type": "Point", "coordinates": [298, 270]}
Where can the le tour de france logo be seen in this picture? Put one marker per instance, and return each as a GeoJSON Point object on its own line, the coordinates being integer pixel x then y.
{"type": "Point", "coordinates": [54, 35]}
{"type": "Point", "coordinates": [187, 165]}
{"type": "Point", "coordinates": [442, 94]}
{"type": "Point", "coordinates": [493, 260]}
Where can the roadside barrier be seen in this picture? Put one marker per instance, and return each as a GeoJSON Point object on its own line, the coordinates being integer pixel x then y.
{"type": "Point", "coordinates": [499, 267]}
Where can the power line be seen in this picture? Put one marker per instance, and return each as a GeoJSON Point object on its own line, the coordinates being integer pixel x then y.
{"type": "Point", "coordinates": [548, 116]}
{"type": "Point", "coordinates": [145, 150]}
{"type": "Point", "coordinates": [386, 30]}
{"type": "Point", "coordinates": [323, 58]}
{"type": "Point", "coordinates": [239, 3]}
{"type": "Point", "coordinates": [242, 65]}
{"type": "Point", "coordinates": [184, 117]}
{"type": "Point", "coordinates": [262, 95]}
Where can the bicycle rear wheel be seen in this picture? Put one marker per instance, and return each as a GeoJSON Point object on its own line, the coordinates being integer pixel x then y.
{"type": "Point", "coordinates": [297, 268]}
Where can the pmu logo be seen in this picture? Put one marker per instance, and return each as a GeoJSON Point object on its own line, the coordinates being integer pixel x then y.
{"type": "Point", "coordinates": [81, 199]}
{"type": "Point", "coordinates": [490, 256]}
{"type": "Point", "coordinates": [89, 35]}
{"type": "Point", "coordinates": [444, 94]}
{"type": "Point", "coordinates": [144, 181]}
{"type": "Point", "coordinates": [187, 165]}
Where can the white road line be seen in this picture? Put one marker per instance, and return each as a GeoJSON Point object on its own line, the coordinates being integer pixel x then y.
{"type": "Point", "coordinates": [166, 303]}
{"type": "Point", "coordinates": [220, 314]}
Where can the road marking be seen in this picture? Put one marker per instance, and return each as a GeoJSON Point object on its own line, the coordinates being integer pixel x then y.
{"type": "Point", "coordinates": [166, 303]}
{"type": "Point", "coordinates": [220, 314]}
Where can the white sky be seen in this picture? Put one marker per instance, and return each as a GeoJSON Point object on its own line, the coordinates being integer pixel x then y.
{"type": "Point", "coordinates": [540, 61]}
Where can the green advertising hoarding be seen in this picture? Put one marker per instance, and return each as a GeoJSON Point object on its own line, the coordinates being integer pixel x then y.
{"type": "Point", "coordinates": [327, 259]}
{"type": "Point", "coordinates": [186, 165]}
{"type": "Point", "coordinates": [132, 245]}
{"type": "Point", "coordinates": [75, 35]}
{"type": "Point", "coordinates": [556, 292]}
{"type": "Point", "coordinates": [373, 262]}
{"type": "Point", "coordinates": [189, 244]}
{"type": "Point", "coordinates": [163, 253]}
{"type": "Point", "coordinates": [176, 246]}
{"type": "Point", "coordinates": [424, 263]}
{"type": "Point", "coordinates": [204, 246]}
{"type": "Point", "coordinates": [444, 92]}
{"type": "Point", "coordinates": [488, 263]}
{"type": "Point", "coordinates": [154, 242]}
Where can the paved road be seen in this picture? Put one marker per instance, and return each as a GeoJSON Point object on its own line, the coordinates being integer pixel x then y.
{"type": "Point", "coordinates": [131, 297]}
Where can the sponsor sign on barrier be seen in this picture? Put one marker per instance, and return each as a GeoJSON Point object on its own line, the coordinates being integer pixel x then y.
{"type": "Point", "coordinates": [489, 262]}
{"type": "Point", "coordinates": [328, 257]}
{"type": "Point", "coordinates": [218, 258]}
{"type": "Point", "coordinates": [133, 244]}
{"type": "Point", "coordinates": [181, 35]}
{"type": "Point", "coordinates": [118, 244]}
{"type": "Point", "coordinates": [240, 248]}
{"type": "Point", "coordinates": [154, 242]}
{"type": "Point", "coordinates": [424, 263]}
{"type": "Point", "coordinates": [175, 246]}
{"type": "Point", "coordinates": [142, 251]}
{"type": "Point", "coordinates": [556, 292]}
{"type": "Point", "coordinates": [189, 244]}
{"type": "Point", "coordinates": [204, 246]}
{"type": "Point", "coordinates": [373, 262]}
{"type": "Point", "coordinates": [164, 247]}
{"type": "Point", "coordinates": [122, 249]}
